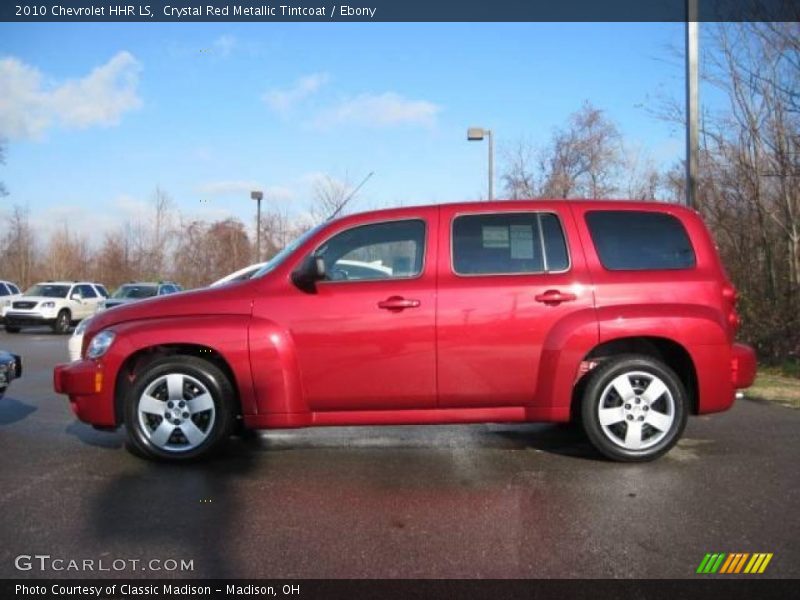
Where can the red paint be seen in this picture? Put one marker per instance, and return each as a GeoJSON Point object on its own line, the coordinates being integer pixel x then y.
{"type": "Point", "coordinates": [438, 348]}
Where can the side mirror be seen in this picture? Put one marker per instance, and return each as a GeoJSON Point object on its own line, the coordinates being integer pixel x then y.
{"type": "Point", "coordinates": [311, 270]}
{"type": "Point", "coordinates": [76, 296]}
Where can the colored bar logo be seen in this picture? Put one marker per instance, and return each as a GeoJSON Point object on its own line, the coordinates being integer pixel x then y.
{"type": "Point", "coordinates": [734, 563]}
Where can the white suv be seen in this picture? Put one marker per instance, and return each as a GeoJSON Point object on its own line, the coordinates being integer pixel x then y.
{"type": "Point", "coordinates": [8, 293]}
{"type": "Point", "coordinates": [55, 303]}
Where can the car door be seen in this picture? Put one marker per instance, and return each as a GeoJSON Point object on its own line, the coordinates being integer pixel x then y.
{"type": "Point", "coordinates": [508, 281]}
{"type": "Point", "coordinates": [88, 303]}
{"type": "Point", "coordinates": [367, 341]}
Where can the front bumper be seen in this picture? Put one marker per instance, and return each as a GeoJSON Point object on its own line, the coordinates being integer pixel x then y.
{"type": "Point", "coordinates": [10, 368]}
{"type": "Point", "coordinates": [91, 395]}
{"type": "Point", "coordinates": [743, 366]}
{"type": "Point", "coordinates": [19, 319]}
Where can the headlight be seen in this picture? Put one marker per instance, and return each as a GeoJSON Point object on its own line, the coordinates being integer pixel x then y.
{"type": "Point", "coordinates": [100, 344]}
{"type": "Point", "coordinates": [81, 328]}
{"type": "Point", "coordinates": [7, 303]}
{"type": "Point", "coordinates": [48, 305]}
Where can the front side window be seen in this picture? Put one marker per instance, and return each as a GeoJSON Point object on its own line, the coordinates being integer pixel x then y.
{"type": "Point", "coordinates": [14, 289]}
{"type": "Point", "coordinates": [392, 250]}
{"type": "Point", "coordinates": [508, 244]}
{"type": "Point", "coordinates": [629, 240]}
{"type": "Point", "coordinates": [4, 291]}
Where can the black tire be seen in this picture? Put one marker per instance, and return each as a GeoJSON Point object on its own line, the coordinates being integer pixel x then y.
{"type": "Point", "coordinates": [218, 427]}
{"type": "Point", "coordinates": [62, 322]}
{"type": "Point", "coordinates": [12, 328]}
{"type": "Point", "coordinates": [611, 438]}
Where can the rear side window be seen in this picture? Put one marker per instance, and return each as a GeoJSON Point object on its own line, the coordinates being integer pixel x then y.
{"type": "Point", "coordinates": [508, 244]}
{"type": "Point", "coordinates": [628, 240]}
{"type": "Point", "coordinates": [86, 291]}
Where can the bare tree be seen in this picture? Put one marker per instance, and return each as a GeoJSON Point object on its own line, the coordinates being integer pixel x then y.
{"type": "Point", "coordinates": [329, 197]}
{"type": "Point", "coordinates": [3, 190]}
{"type": "Point", "coordinates": [520, 178]}
{"type": "Point", "coordinates": [584, 159]}
{"type": "Point", "coordinates": [19, 247]}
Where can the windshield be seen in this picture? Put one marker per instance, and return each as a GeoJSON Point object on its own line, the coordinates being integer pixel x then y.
{"type": "Point", "coordinates": [136, 291]}
{"type": "Point", "coordinates": [287, 251]}
{"type": "Point", "coordinates": [48, 291]}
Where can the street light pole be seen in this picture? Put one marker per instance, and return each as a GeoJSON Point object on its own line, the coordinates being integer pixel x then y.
{"type": "Point", "coordinates": [476, 134]}
{"type": "Point", "coordinates": [692, 143]}
{"type": "Point", "coordinates": [491, 164]}
{"type": "Point", "coordinates": [257, 195]}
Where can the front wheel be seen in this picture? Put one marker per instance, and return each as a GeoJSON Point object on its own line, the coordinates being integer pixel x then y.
{"type": "Point", "coordinates": [179, 408]}
{"type": "Point", "coordinates": [12, 329]}
{"type": "Point", "coordinates": [61, 324]}
{"type": "Point", "coordinates": [633, 408]}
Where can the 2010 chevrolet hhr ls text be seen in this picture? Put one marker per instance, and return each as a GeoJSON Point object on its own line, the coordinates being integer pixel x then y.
{"type": "Point", "coordinates": [618, 315]}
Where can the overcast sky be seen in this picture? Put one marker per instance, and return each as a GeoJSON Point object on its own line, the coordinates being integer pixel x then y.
{"type": "Point", "coordinates": [97, 115]}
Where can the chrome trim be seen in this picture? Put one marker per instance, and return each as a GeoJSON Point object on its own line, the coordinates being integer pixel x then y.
{"type": "Point", "coordinates": [511, 212]}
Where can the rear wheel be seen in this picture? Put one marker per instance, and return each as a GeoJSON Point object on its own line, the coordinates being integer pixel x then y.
{"type": "Point", "coordinates": [633, 408]}
{"type": "Point", "coordinates": [12, 329]}
{"type": "Point", "coordinates": [61, 324]}
{"type": "Point", "coordinates": [180, 408]}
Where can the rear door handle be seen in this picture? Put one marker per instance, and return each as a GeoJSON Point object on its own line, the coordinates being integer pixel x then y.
{"type": "Point", "coordinates": [554, 297]}
{"type": "Point", "coordinates": [398, 303]}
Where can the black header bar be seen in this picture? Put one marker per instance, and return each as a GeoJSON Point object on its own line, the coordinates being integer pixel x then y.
{"type": "Point", "coordinates": [395, 10]}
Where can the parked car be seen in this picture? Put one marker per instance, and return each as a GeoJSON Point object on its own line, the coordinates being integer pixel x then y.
{"type": "Point", "coordinates": [8, 293]}
{"type": "Point", "coordinates": [133, 291]}
{"type": "Point", "coordinates": [240, 275]}
{"type": "Point", "coordinates": [10, 368]}
{"type": "Point", "coordinates": [343, 269]}
{"type": "Point", "coordinates": [125, 294]}
{"type": "Point", "coordinates": [59, 304]}
{"type": "Point", "coordinates": [616, 314]}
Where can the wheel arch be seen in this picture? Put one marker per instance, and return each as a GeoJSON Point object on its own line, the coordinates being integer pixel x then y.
{"type": "Point", "coordinates": [140, 359]}
{"type": "Point", "coordinates": [666, 350]}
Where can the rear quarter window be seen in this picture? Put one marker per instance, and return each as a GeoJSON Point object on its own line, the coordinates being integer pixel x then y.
{"type": "Point", "coordinates": [629, 240]}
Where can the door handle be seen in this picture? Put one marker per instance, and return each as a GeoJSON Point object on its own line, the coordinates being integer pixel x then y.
{"type": "Point", "coordinates": [398, 303]}
{"type": "Point", "coordinates": [554, 297]}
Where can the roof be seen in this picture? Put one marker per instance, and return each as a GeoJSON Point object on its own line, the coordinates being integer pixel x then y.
{"type": "Point", "coordinates": [68, 283]}
{"type": "Point", "coordinates": [531, 204]}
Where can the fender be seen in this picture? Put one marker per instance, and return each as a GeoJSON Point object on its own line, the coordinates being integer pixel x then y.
{"type": "Point", "coordinates": [683, 324]}
{"type": "Point", "coordinates": [276, 374]}
{"type": "Point", "coordinates": [224, 334]}
{"type": "Point", "coordinates": [563, 349]}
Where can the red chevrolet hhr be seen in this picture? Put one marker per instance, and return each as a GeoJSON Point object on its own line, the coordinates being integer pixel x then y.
{"type": "Point", "coordinates": [618, 315]}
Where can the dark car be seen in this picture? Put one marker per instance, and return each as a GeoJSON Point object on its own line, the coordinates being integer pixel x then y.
{"type": "Point", "coordinates": [133, 291]}
{"type": "Point", "coordinates": [10, 368]}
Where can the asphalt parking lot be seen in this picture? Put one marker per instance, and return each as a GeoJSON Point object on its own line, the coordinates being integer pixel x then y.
{"type": "Point", "coordinates": [461, 501]}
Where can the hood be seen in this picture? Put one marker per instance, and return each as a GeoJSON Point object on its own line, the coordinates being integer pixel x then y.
{"type": "Point", "coordinates": [36, 299]}
{"type": "Point", "coordinates": [235, 299]}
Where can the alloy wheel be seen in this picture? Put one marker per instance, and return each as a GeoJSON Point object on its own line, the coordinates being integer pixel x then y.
{"type": "Point", "coordinates": [176, 412]}
{"type": "Point", "coordinates": [636, 410]}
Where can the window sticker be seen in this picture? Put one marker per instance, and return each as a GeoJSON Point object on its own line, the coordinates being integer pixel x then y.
{"type": "Point", "coordinates": [495, 236]}
{"type": "Point", "coordinates": [521, 241]}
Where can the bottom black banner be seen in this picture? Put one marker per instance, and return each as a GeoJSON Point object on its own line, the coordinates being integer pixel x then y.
{"type": "Point", "coordinates": [389, 589]}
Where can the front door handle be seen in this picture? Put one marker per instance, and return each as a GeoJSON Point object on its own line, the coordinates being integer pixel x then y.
{"type": "Point", "coordinates": [397, 303]}
{"type": "Point", "coordinates": [554, 297]}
